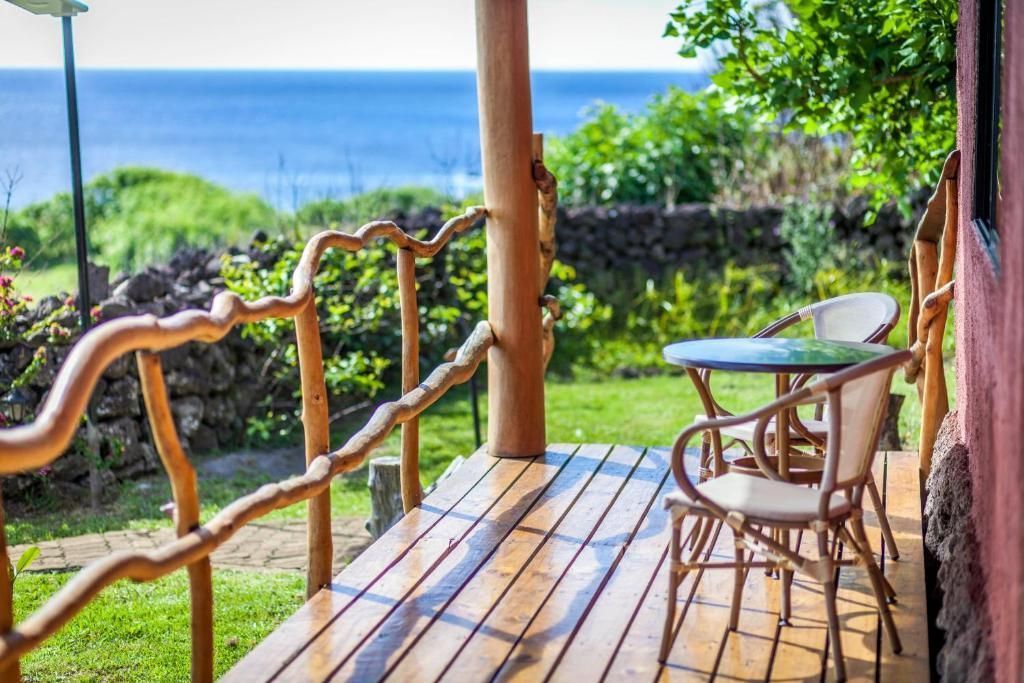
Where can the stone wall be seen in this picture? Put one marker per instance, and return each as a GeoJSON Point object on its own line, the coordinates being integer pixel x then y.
{"type": "Point", "coordinates": [212, 386]}
{"type": "Point", "coordinates": [655, 240]}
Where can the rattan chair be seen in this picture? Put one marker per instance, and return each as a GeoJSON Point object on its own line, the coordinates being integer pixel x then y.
{"type": "Point", "coordinates": [753, 506]}
{"type": "Point", "coordinates": [861, 317]}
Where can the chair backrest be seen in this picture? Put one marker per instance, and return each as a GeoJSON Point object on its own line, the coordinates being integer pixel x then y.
{"type": "Point", "coordinates": [861, 393]}
{"type": "Point", "coordinates": [860, 317]}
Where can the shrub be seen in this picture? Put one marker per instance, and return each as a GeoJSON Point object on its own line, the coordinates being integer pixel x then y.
{"type": "Point", "coordinates": [340, 212]}
{"type": "Point", "coordinates": [138, 216]}
{"type": "Point", "coordinates": [811, 243]}
{"type": "Point", "coordinates": [360, 323]}
{"type": "Point", "coordinates": [735, 302]}
{"type": "Point", "coordinates": [666, 155]}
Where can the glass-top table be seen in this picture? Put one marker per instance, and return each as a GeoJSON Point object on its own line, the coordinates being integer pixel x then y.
{"type": "Point", "coordinates": [771, 354]}
{"type": "Point", "coordinates": [780, 356]}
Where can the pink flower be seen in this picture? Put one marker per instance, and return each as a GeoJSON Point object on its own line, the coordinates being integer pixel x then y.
{"type": "Point", "coordinates": [6, 280]}
{"type": "Point", "coordinates": [26, 298]}
{"type": "Point", "coordinates": [16, 252]}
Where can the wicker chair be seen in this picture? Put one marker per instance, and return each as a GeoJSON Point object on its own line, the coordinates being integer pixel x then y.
{"type": "Point", "coordinates": [753, 506]}
{"type": "Point", "coordinates": [862, 317]}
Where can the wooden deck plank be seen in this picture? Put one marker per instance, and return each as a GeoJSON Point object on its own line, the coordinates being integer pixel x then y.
{"type": "Point", "coordinates": [699, 641]}
{"type": "Point", "coordinates": [903, 504]}
{"type": "Point", "coordinates": [537, 651]}
{"type": "Point", "coordinates": [590, 651]}
{"type": "Point", "coordinates": [330, 648]}
{"type": "Point", "coordinates": [293, 635]}
{"type": "Point", "coordinates": [528, 570]}
{"type": "Point", "coordinates": [748, 651]}
{"type": "Point", "coordinates": [407, 622]}
{"type": "Point", "coordinates": [440, 640]}
{"type": "Point", "coordinates": [858, 612]}
{"type": "Point", "coordinates": [485, 651]}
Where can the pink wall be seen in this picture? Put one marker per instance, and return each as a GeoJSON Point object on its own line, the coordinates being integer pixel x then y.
{"type": "Point", "coordinates": [990, 342]}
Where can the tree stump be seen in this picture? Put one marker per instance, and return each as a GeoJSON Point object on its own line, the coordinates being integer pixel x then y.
{"type": "Point", "coordinates": [385, 484]}
{"type": "Point", "coordinates": [889, 439]}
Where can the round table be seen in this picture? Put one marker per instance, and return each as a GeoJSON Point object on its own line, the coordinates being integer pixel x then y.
{"type": "Point", "coordinates": [777, 355]}
{"type": "Point", "coordinates": [782, 357]}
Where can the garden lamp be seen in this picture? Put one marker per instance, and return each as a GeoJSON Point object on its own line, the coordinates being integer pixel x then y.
{"type": "Point", "coordinates": [65, 9]}
{"type": "Point", "coordinates": [14, 406]}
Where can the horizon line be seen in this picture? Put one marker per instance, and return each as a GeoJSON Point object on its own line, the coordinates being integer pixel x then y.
{"type": "Point", "coordinates": [682, 70]}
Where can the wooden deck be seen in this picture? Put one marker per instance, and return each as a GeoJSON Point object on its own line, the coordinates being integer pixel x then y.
{"type": "Point", "coordinates": [553, 568]}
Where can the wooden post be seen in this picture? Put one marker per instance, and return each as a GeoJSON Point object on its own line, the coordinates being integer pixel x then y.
{"type": "Point", "coordinates": [515, 396]}
{"type": "Point", "coordinates": [12, 672]}
{"type": "Point", "coordinates": [935, 397]}
{"type": "Point", "coordinates": [385, 484]}
{"type": "Point", "coordinates": [412, 493]}
{"type": "Point", "coordinates": [186, 508]}
{"type": "Point", "coordinates": [316, 426]}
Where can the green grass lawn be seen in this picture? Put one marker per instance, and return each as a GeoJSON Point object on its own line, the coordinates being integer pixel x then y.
{"type": "Point", "coordinates": [41, 282]}
{"type": "Point", "coordinates": [140, 631]}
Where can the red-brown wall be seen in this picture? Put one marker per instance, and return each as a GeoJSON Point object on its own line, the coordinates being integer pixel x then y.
{"type": "Point", "coordinates": [990, 341]}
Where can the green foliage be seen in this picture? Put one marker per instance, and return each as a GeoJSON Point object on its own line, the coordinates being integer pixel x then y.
{"type": "Point", "coordinates": [141, 215]}
{"type": "Point", "coordinates": [28, 556]}
{"type": "Point", "coordinates": [360, 322]}
{"type": "Point", "coordinates": [738, 301]}
{"type": "Point", "coordinates": [882, 73]}
{"type": "Point", "coordinates": [668, 154]}
{"type": "Point", "coordinates": [355, 209]}
{"type": "Point", "coordinates": [811, 242]}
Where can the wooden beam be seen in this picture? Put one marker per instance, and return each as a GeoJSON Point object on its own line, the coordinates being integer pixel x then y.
{"type": "Point", "coordinates": [515, 364]}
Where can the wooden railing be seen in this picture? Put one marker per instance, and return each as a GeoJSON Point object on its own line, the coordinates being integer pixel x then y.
{"type": "Point", "coordinates": [932, 286]}
{"type": "Point", "coordinates": [35, 445]}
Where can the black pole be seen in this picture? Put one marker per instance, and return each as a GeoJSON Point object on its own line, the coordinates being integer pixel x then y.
{"type": "Point", "coordinates": [81, 245]}
{"type": "Point", "coordinates": [474, 402]}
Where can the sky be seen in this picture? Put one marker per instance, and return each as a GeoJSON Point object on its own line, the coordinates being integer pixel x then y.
{"type": "Point", "coordinates": [336, 34]}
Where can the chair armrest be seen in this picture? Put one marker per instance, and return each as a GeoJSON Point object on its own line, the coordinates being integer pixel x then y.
{"type": "Point", "coordinates": [761, 415]}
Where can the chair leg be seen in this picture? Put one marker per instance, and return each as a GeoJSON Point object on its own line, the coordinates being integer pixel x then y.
{"type": "Point", "coordinates": [877, 584]}
{"type": "Point", "coordinates": [883, 519]}
{"type": "Point", "coordinates": [740, 577]}
{"type": "Point", "coordinates": [829, 588]}
{"type": "Point", "coordinates": [674, 556]}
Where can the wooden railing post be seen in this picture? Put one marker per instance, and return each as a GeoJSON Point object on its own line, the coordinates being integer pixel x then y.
{"type": "Point", "coordinates": [316, 426]}
{"type": "Point", "coordinates": [12, 672]}
{"type": "Point", "coordinates": [412, 493]}
{"type": "Point", "coordinates": [515, 365]}
{"type": "Point", "coordinates": [184, 487]}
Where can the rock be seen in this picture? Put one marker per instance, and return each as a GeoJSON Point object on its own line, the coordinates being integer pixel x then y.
{"type": "Point", "coordinates": [219, 411]}
{"type": "Point", "coordinates": [141, 287]}
{"type": "Point", "coordinates": [121, 398]}
{"type": "Point", "coordinates": [99, 282]}
{"type": "Point", "coordinates": [121, 444]}
{"type": "Point", "coordinates": [203, 439]}
{"type": "Point", "coordinates": [117, 307]}
{"type": "Point", "coordinates": [120, 367]}
{"type": "Point", "coordinates": [188, 414]}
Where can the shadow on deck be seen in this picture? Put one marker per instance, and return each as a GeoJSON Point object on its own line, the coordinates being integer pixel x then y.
{"type": "Point", "coordinates": [554, 568]}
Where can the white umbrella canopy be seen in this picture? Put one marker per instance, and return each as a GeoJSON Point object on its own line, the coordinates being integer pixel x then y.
{"type": "Point", "coordinates": [56, 8]}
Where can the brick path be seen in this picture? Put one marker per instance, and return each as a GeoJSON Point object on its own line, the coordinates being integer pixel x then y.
{"type": "Point", "coordinates": [272, 546]}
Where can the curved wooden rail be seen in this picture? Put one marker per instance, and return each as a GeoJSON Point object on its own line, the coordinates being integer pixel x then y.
{"type": "Point", "coordinates": [200, 542]}
{"type": "Point", "coordinates": [34, 445]}
{"type": "Point", "coordinates": [37, 444]}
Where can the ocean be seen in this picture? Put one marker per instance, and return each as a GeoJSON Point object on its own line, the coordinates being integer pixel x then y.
{"type": "Point", "coordinates": [289, 136]}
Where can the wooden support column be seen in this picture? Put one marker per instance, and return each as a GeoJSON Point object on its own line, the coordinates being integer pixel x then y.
{"type": "Point", "coordinates": [515, 425]}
